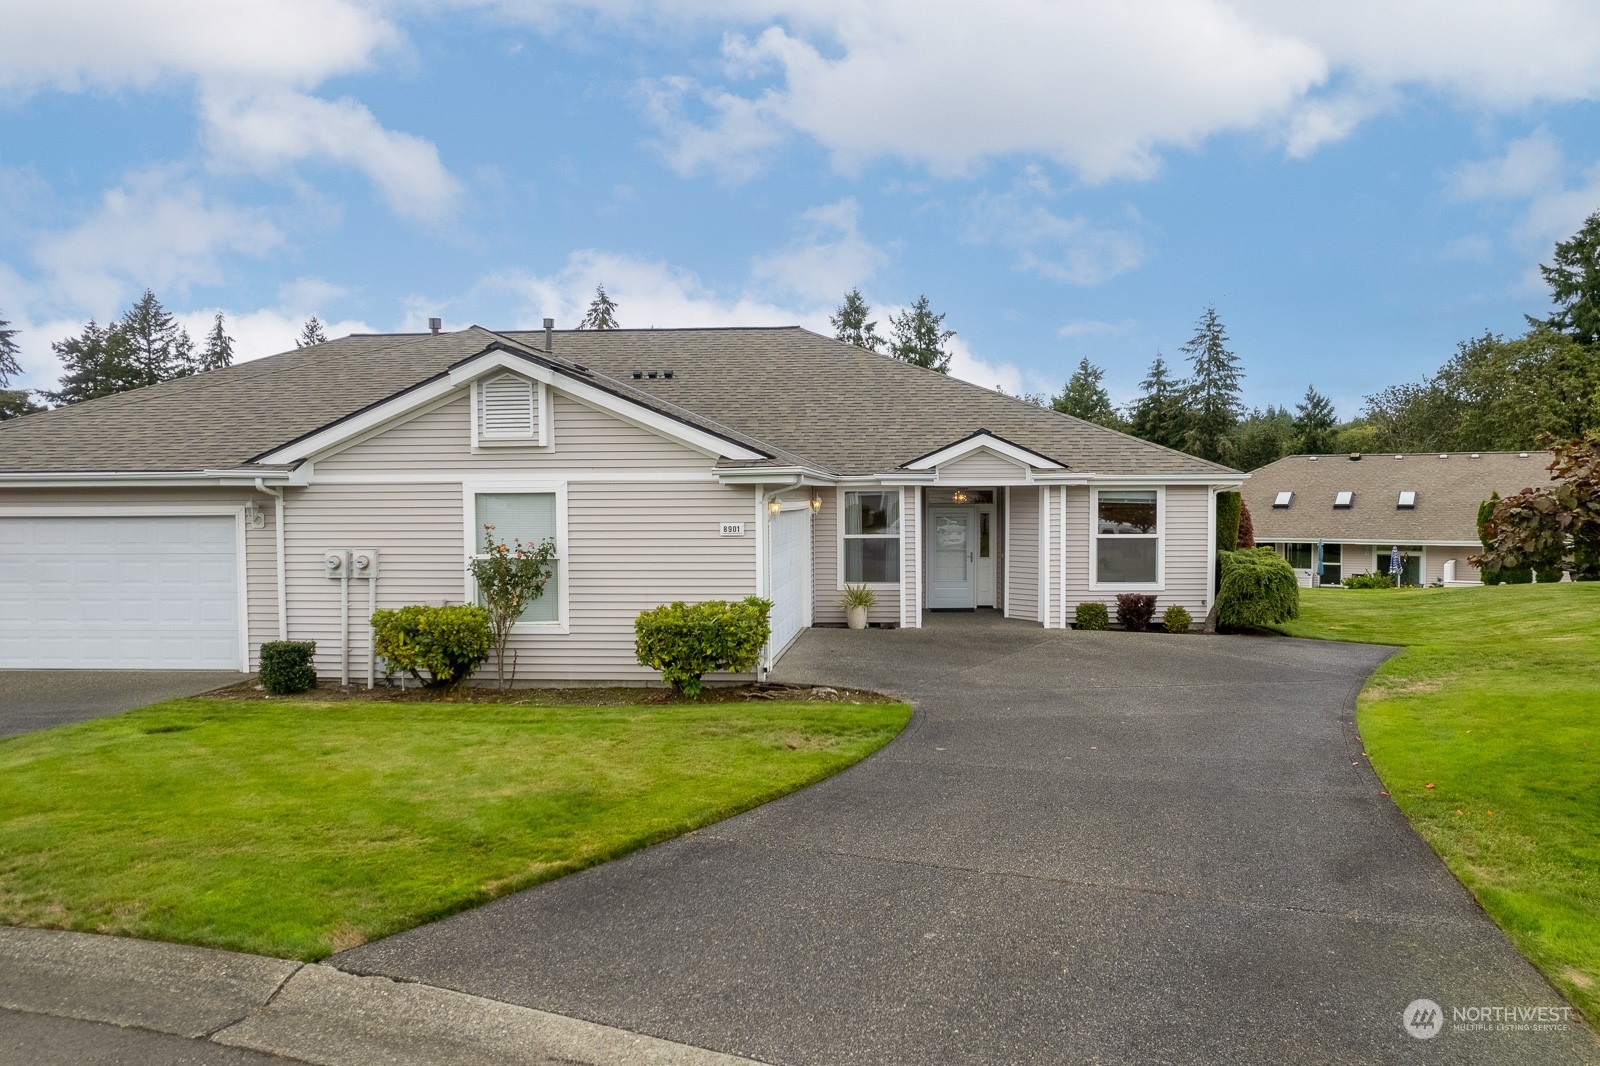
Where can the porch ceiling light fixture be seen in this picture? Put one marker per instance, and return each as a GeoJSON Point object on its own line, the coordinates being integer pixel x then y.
{"type": "Point", "coordinates": [959, 496]}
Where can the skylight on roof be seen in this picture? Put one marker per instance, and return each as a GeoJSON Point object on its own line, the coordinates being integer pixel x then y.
{"type": "Point", "coordinates": [1283, 499]}
{"type": "Point", "coordinates": [1344, 498]}
{"type": "Point", "coordinates": [1407, 500]}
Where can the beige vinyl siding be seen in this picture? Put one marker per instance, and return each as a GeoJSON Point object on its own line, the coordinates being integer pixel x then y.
{"type": "Point", "coordinates": [980, 468]}
{"type": "Point", "coordinates": [1053, 540]}
{"type": "Point", "coordinates": [418, 532]}
{"type": "Point", "coordinates": [440, 439]}
{"type": "Point", "coordinates": [1184, 551]}
{"type": "Point", "coordinates": [260, 594]}
{"type": "Point", "coordinates": [1435, 560]}
{"type": "Point", "coordinates": [1022, 546]}
{"type": "Point", "coordinates": [910, 556]}
{"type": "Point", "coordinates": [826, 579]}
{"type": "Point", "coordinates": [630, 546]}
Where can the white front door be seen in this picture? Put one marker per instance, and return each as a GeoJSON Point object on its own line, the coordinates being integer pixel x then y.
{"type": "Point", "coordinates": [986, 556]}
{"type": "Point", "coordinates": [952, 557]}
{"type": "Point", "coordinates": [132, 593]}
{"type": "Point", "coordinates": [789, 577]}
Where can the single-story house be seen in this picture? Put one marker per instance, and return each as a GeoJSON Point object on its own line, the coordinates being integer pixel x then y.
{"type": "Point", "coordinates": [1355, 509]}
{"type": "Point", "coordinates": [184, 524]}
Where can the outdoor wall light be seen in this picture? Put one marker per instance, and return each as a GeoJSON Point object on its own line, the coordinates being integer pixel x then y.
{"type": "Point", "coordinates": [774, 506]}
{"type": "Point", "coordinates": [816, 502]}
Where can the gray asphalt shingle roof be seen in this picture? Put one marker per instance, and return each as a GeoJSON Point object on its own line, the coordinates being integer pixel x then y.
{"type": "Point", "coordinates": [800, 397]}
{"type": "Point", "coordinates": [1449, 489]}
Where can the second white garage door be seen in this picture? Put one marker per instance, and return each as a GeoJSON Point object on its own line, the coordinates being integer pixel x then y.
{"type": "Point", "coordinates": [135, 593]}
{"type": "Point", "coordinates": [790, 577]}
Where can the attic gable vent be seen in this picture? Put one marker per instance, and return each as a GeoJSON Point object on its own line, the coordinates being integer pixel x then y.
{"type": "Point", "coordinates": [1344, 499]}
{"type": "Point", "coordinates": [508, 409]}
{"type": "Point", "coordinates": [1283, 499]}
{"type": "Point", "coordinates": [1407, 500]}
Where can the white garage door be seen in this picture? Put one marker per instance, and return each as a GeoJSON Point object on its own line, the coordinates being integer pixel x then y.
{"type": "Point", "coordinates": [129, 592]}
{"type": "Point", "coordinates": [790, 577]}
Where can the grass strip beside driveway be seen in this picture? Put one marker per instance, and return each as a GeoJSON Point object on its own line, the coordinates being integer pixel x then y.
{"type": "Point", "coordinates": [298, 829]}
{"type": "Point", "coordinates": [1486, 731]}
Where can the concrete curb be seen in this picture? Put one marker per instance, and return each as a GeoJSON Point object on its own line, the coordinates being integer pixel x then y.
{"type": "Point", "coordinates": [313, 1013]}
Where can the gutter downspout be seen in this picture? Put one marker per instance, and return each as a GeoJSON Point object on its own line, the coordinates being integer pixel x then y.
{"type": "Point", "coordinates": [283, 602]}
{"type": "Point", "coordinates": [763, 551]}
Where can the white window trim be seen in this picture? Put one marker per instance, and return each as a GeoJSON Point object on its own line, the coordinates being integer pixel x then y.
{"type": "Point", "coordinates": [543, 440]}
{"type": "Point", "coordinates": [876, 586]}
{"type": "Point", "coordinates": [1005, 607]}
{"type": "Point", "coordinates": [1160, 584]}
{"type": "Point", "coordinates": [241, 566]}
{"type": "Point", "coordinates": [472, 535]}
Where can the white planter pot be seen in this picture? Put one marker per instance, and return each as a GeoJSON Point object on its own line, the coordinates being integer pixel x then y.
{"type": "Point", "coordinates": [857, 617]}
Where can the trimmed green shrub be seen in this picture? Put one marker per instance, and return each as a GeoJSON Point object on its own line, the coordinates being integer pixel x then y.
{"type": "Point", "coordinates": [1548, 574]}
{"type": "Point", "coordinates": [1135, 610]}
{"type": "Point", "coordinates": [1258, 589]}
{"type": "Point", "coordinates": [687, 641]}
{"type": "Point", "coordinates": [1176, 620]}
{"type": "Point", "coordinates": [1230, 505]}
{"type": "Point", "coordinates": [1521, 575]}
{"type": "Point", "coordinates": [287, 666]}
{"type": "Point", "coordinates": [448, 642]}
{"type": "Point", "coordinates": [1091, 615]}
{"type": "Point", "coordinates": [1368, 581]}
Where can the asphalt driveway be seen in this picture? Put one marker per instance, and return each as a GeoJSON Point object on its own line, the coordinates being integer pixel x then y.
{"type": "Point", "coordinates": [39, 699]}
{"type": "Point", "coordinates": [1086, 847]}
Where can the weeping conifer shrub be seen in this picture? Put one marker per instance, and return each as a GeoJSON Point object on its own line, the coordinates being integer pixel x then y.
{"type": "Point", "coordinates": [1230, 505]}
{"type": "Point", "coordinates": [1258, 589]}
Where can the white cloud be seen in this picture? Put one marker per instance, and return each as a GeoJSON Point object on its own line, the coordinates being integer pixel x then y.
{"type": "Point", "coordinates": [268, 132]}
{"type": "Point", "coordinates": [1070, 249]}
{"type": "Point", "coordinates": [74, 45]}
{"type": "Point", "coordinates": [252, 67]}
{"type": "Point", "coordinates": [266, 330]}
{"type": "Point", "coordinates": [1534, 169]}
{"type": "Point", "coordinates": [156, 229]}
{"type": "Point", "coordinates": [1100, 88]}
{"type": "Point", "coordinates": [829, 260]}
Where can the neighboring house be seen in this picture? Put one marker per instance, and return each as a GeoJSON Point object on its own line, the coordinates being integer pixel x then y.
{"type": "Point", "coordinates": [182, 525]}
{"type": "Point", "coordinates": [1356, 509]}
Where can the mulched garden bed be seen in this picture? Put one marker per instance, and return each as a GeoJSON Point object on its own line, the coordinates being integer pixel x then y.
{"type": "Point", "coordinates": [330, 691]}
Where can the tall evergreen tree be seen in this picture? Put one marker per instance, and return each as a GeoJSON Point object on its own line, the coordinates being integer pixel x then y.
{"type": "Point", "coordinates": [1574, 280]}
{"type": "Point", "coordinates": [96, 363]}
{"type": "Point", "coordinates": [9, 367]}
{"type": "Point", "coordinates": [158, 347]}
{"type": "Point", "coordinates": [1085, 397]}
{"type": "Point", "coordinates": [850, 324]}
{"type": "Point", "coordinates": [602, 313]}
{"type": "Point", "coordinates": [13, 402]}
{"type": "Point", "coordinates": [1262, 437]}
{"type": "Point", "coordinates": [1160, 414]}
{"type": "Point", "coordinates": [218, 350]}
{"type": "Point", "coordinates": [1314, 423]}
{"type": "Point", "coordinates": [919, 337]}
{"type": "Point", "coordinates": [311, 333]}
{"type": "Point", "coordinates": [1213, 389]}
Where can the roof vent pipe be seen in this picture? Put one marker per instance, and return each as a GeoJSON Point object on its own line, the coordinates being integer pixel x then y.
{"type": "Point", "coordinates": [435, 325]}
{"type": "Point", "coordinates": [549, 336]}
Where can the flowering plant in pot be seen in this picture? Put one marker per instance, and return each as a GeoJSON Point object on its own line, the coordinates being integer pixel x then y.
{"type": "Point", "coordinates": [856, 599]}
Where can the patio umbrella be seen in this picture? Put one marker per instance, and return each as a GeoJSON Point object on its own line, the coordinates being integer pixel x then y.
{"type": "Point", "coordinates": [1319, 558]}
{"type": "Point", "coordinates": [1394, 563]}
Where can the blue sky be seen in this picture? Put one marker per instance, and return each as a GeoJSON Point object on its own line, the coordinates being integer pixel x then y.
{"type": "Point", "coordinates": [1355, 187]}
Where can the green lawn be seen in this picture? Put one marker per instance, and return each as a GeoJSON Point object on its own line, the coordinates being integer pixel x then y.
{"type": "Point", "coordinates": [1495, 701]}
{"type": "Point", "coordinates": [298, 829]}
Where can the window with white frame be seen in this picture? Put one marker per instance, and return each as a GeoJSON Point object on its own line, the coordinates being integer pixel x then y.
{"type": "Point", "coordinates": [872, 537]}
{"type": "Point", "coordinates": [530, 517]}
{"type": "Point", "coordinates": [1127, 537]}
